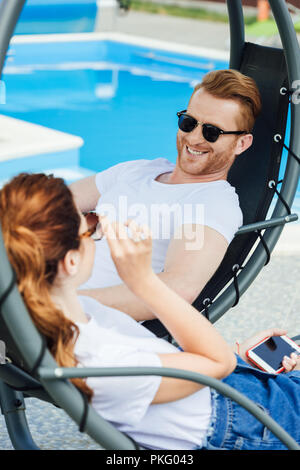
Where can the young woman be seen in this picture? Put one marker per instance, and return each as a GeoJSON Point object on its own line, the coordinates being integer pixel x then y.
{"type": "Point", "coordinates": [51, 249]}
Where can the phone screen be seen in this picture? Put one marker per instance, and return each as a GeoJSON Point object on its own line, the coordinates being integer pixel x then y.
{"type": "Point", "coordinates": [273, 350]}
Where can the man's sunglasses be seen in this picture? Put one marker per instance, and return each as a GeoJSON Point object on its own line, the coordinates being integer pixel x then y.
{"type": "Point", "coordinates": [211, 133]}
{"type": "Point", "coordinates": [94, 227]}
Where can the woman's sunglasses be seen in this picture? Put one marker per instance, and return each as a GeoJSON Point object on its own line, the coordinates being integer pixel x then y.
{"type": "Point", "coordinates": [211, 133]}
{"type": "Point", "coordinates": [94, 226]}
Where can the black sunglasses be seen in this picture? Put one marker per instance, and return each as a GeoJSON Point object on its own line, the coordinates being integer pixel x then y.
{"type": "Point", "coordinates": [211, 133]}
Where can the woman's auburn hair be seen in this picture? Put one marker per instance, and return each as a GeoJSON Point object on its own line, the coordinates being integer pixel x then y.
{"type": "Point", "coordinates": [232, 84]}
{"type": "Point", "coordinates": [40, 224]}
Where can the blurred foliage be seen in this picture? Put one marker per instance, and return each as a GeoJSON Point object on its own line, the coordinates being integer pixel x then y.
{"type": "Point", "coordinates": [124, 4]}
{"type": "Point", "coordinates": [266, 28]}
{"type": "Point", "coordinates": [253, 27]}
{"type": "Point", "coordinates": [185, 12]}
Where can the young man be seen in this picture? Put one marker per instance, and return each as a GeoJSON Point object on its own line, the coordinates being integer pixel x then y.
{"type": "Point", "coordinates": [191, 208]}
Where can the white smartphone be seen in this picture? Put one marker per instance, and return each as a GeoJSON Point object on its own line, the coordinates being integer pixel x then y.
{"type": "Point", "coordinates": [268, 354]}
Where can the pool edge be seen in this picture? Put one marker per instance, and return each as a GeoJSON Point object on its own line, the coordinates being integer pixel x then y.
{"type": "Point", "coordinates": [125, 38]}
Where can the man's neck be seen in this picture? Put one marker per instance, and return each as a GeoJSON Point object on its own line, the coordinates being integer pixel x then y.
{"type": "Point", "coordinates": [177, 176]}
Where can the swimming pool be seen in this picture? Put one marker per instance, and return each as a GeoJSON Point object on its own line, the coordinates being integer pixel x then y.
{"type": "Point", "coordinates": [57, 16]}
{"type": "Point", "coordinates": [120, 98]}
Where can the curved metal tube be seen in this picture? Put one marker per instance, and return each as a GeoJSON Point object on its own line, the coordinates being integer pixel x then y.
{"type": "Point", "coordinates": [48, 375]}
{"type": "Point", "coordinates": [9, 13]}
{"type": "Point", "coordinates": [237, 32]}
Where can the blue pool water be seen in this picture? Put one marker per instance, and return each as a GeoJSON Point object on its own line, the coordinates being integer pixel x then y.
{"type": "Point", "coordinates": [121, 99]}
{"type": "Point", "coordinates": [57, 16]}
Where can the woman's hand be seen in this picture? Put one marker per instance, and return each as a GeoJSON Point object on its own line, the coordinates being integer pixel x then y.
{"type": "Point", "coordinates": [289, 363]}
{"type": "Point", "coordinates": [132, 256]}
{"type": "Point", "coordinates": [203, 348]}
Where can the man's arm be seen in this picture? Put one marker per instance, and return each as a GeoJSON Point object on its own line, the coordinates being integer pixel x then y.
{"type": "Point", "coordinates": [85, 193]}
{"type": "Point", "coordinates": [188, 267]}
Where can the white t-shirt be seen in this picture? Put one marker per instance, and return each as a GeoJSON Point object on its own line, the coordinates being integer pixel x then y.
{"type": "Point", "coordinates": [113, 339]}
{"type": "Point", "coordinates": [129, 191]}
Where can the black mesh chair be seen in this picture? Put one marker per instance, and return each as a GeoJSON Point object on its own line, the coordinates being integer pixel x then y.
{"type": "Point", "coordinates": [255, 173]}
{"type": "Point", "coordinates": [27, 368]}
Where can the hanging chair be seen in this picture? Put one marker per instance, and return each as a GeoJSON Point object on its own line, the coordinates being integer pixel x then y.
{"type": "Point", "coordinates": [27, 368]}
{"type": "Point", "coordinates": [255, 173]}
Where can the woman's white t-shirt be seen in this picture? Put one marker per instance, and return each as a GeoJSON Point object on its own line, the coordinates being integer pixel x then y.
{"type": "Point", "coordinates": [129, 190]}
{"type": "Point", "coordinates": [113, 339]}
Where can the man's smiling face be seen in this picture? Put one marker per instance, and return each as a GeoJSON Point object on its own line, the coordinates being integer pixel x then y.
{"type": "Point", "coordinates": [197, 156]}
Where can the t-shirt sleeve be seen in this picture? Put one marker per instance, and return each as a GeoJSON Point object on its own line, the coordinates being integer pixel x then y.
{"type": "Point", "coordinates": [107, 178]}
{"type": "Point", "coordinates": [125, 400]}
{"type": "Point", "coordinates": [225, 218]}
{"type": "Point", "coordinates": [220, 212]}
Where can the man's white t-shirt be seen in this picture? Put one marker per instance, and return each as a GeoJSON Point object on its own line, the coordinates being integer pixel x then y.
{"type": "Point", "coordinates": [113, 339]}
{"type": "Point", "coordinates": [129, 191]}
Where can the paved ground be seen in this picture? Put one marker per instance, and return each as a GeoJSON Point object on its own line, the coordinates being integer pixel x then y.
{"type": "Point", "coordinates": [273, 298]}
{"type": "Point", "coordinates": [170, 28]}
{"type": "Point", "coordinates": [213, 35]}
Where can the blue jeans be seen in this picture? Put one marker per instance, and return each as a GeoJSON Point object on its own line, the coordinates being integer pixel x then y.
{"type": "Point", "coordinates": [232, 427]}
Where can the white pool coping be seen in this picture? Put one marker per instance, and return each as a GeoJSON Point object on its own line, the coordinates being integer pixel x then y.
{"type": "Point", "coordinates": [19, 139]}
{"type": "Point", "coordinates": [125, 38]}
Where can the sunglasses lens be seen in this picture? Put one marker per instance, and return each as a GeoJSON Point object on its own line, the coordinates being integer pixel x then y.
{"type": "Point", "coordinates": [186, 123]}
{"type": "Point", "coordinates": [210, 133]}
{"type": "Point", "coordinates": [94, 230]}
{"type": "Point", "coordinates": [92, 219]}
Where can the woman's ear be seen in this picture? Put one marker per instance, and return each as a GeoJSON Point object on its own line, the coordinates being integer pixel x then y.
{"type": "Point", "coordinates": [69, 265]}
